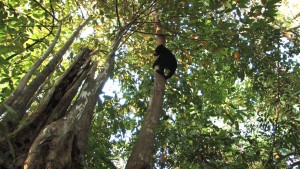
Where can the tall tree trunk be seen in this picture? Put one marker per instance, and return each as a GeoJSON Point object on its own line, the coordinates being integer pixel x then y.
{"type": "Point", "coordinates": [142, 153]}
{"type": "Point", "coordinates": [23, 83]}
{"type": "Point", "coordinates": [22, 100]}
{"type": "Point", "coordinates": [56, 133]}
{"type": "Point", "coordinates": [53, 107]}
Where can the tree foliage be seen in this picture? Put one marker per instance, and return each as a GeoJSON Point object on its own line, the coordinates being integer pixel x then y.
{"type": "Point", "coordinates": [232, 103]}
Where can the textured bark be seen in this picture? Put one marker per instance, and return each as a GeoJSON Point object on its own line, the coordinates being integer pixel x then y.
{"type": "Point", "coordinates": [62, 93]}
{"type": "Point", "coordinates": [143, 148]}
{"type": "Point", "coordinates": [23, 83]}
{"type": "Point", "coordinates": [64, 141]}
{"type": "Point", "coordinates": [60, 142]}
{"type": "Point", "coordinates": [23, 100]}
{"type": "Point", "coordinates": [142, 153]}
{"type": "Point", "coordinates": [55, 134]}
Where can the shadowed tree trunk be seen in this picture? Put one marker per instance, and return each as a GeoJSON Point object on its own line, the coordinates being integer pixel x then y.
{"type": "Point", "coordinates": [23, 83]}
{"type": "Point", "coordinates": [56, 133]}
{"type": "Point", "coordinates": [142, 153]}
{"type": "Point", "coordinates": [22, 98]}
{"type": "Point", "coordinates": [52, 108]}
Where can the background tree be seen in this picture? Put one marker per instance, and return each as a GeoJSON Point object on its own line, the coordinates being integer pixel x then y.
{"type": "Point", "coordinates": [233, 102]}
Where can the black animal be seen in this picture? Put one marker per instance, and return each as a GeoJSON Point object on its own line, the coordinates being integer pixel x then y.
{"type": "Point", "coordinates": [165, 61]}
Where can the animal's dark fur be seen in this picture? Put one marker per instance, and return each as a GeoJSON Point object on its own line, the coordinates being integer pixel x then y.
{"type": "Point", "coordinates": [165, 60]}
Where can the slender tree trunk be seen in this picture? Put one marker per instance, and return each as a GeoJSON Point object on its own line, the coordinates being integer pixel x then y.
{"type": "Point", "coordinates": [23, 83]}
{"type": "Point", "coordinates": [53, 107]}
{"type": "Point", "coordinates": [55, 134]}
{"type": "Point", "coordinates": [142, 153]}
{"type": "Point", "coordinates": [22, 100]}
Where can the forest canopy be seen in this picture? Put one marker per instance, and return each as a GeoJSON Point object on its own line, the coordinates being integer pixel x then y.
{"type": "Point", "coordinates": [77, 88]}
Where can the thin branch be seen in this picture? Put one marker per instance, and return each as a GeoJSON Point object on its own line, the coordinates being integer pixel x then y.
{"type": "Point", "coordinates": [28, 47]}
{"type": "Point", "coordinates": [136, 17]}
{"type": "Point", "coordinates": [117, 12]}
{"type": "Point", "coordinates": [148, 33]}
{"type": "Point", "coordinates": [145, 22]}
{"type": "Point", "coordinates": [52, 9]}
{"type": "Point", "coordinates": [36, 42]}
{"type": "Point", "coordinates": [98, 51]}
{"type": "Point", "coordinates": [169, 30]}
{"type": "Point", "coordinates": [45, 9]}
{"type": "Point", "coordinates": [79, 6]}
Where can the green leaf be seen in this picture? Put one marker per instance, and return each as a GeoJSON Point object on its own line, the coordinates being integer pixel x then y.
{"type": "Point", "coordinates": [2, 61]}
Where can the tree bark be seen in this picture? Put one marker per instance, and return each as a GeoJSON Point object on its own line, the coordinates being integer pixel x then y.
{"type": "Point", "coordinates": [23, 83]}
{"type": "Point", "coordinates": [142, 153]}
{"type": "Point", "coordinates": [52, 107]}
{"type": "Point", "coordinates": [21, 102]}
{"type": "Point", "coordinates": [55, 134]}
{"type": "Point", "coordinates": [64, 141]}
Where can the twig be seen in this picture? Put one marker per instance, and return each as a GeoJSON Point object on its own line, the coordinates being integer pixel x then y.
{"type": "Point", "coordinates": [45, 9]}
{"type": "Point", "coordinates": [117, 12]}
